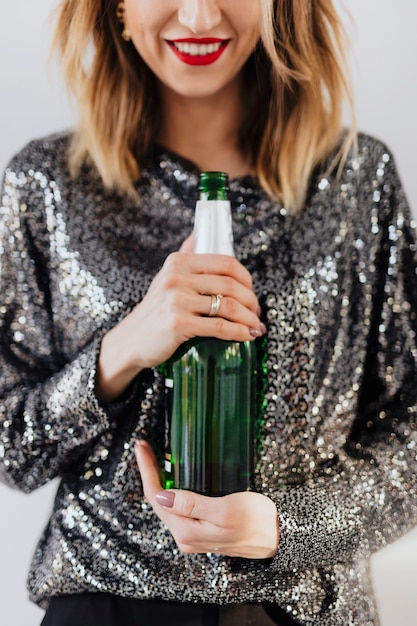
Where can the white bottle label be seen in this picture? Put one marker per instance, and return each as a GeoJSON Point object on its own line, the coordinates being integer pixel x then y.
{"type": "Point", "coordinates": [213, 227]}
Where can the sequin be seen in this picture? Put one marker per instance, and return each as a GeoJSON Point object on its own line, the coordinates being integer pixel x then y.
{"type": "Point", "coordinates": [337, 440]}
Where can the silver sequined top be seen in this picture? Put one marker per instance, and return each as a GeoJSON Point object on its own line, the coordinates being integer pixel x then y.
{"type": "Point", "coordinates": [338, 453]}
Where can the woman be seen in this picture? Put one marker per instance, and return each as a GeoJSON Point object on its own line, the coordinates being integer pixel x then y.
{"type": "Point", "coordinates": [99, 286]}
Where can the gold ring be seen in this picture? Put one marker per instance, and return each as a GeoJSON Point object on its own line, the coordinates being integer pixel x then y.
{"type": "Point", "coordinates": [215, 304]}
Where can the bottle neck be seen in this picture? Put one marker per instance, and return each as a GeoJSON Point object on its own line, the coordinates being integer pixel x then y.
{"type": "Point", "coordinates": [213, 232]}
{"type": "Point", "coordinates": [213, 194]}
{"type": "Point", "coordinates": [213, 218]}
{"type": "Point", "coordinates": [213, 186]}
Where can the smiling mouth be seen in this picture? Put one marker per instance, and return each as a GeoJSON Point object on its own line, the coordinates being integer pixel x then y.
{"type": "Point", "coordinates": [197, 49]}
{"type": "Point", "coordinates": [198, 52]}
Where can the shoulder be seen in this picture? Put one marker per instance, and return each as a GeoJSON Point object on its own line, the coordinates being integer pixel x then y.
{"type": "Point", "coordinates": [369, 166]}
{"type": "Point", "coordinates": [36, 179]}
{"type": "Point", "coordinates": [363, 162]}
{"type": "Point", "coordinates": [376, 168]}
{"type": "Point", "coordinates": [371, 180]}
{"type": "Point", "coordinates": [43, 156]}
{"type": "Point", "coordinates": [371, 157]}
{"type": "Point", "coordinates": [371, 146]}
{"type": "Point", "coordinates": [372, 153]}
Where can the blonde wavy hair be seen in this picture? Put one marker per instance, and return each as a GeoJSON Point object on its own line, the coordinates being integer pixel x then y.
{"type": "Point", "coordinates": [296, 78]}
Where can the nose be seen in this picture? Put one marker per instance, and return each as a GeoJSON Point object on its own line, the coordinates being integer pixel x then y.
{"type": "Point", "coordinates": [199, 16]}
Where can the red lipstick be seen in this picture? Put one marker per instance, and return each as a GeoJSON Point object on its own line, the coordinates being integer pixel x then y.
{"type": "Point", "coordinates": [206, 58]}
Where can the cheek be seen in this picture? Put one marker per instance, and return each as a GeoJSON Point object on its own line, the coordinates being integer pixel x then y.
{"type": "Point", "coordinates": [249, 39]}
{"type": "Point", "coordinates": [145, 27]}
{"type": "Point", "coordinates": [140, 22]}
{"type": "Point", "coordinates": [248, 26]}
{"type": "Point", "coordinates": [151, 52]}
{"type": "Point", "coordinates": [141, 34]}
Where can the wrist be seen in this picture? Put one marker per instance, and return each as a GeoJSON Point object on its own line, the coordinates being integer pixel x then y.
{"type": "Point", "coordinates": [116, 367]}
{"type": "Point", "coordinates": [272, 531]}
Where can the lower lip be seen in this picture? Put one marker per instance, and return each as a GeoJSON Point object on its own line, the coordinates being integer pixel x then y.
{"type": "Point", "coordinates": [206, 59]}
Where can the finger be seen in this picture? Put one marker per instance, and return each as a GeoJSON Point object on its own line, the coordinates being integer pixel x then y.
{"type": "Point", "coordinates": [206, 274]}
{"type": "Point", "coordinates": [232, 310]}
{"type": "Point", "coordinates": [181, 272]}
{"type": "Point", "coordinates": [191, 295]}
{"type": "Point", "coordinates": [148, 468]}
{"type": "Point", "coordinates": [225, 329]}
{"type": "Point", "coordinates": [238, 303]}
{"type": "Point", "coordinates": [190, 505]}
{"type": "Point", "coordinates": [214, 264]}
{"type": "Point", "coordinates": [193, 520]}
{"type": "Point", "coordinates": [188, 244]}
{"type": "Point", "coordinates": [209, 284]}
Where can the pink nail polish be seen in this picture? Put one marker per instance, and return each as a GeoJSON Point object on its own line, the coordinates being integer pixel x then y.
{"type": "Point", "coordinates": [254, 333]}
{"type": "Point", "coordinates": [165, 498]}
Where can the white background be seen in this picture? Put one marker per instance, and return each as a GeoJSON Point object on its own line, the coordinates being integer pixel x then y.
{"type": "Point", "coordinates": [33, 102]}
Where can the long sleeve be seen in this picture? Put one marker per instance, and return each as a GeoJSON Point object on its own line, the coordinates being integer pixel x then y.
{"type": "Point", "coordinates": [48, 410]}
{"type": "Point", "coordinates": [337, 437]}
{"type": "Point", "coordinates": [364, 495]}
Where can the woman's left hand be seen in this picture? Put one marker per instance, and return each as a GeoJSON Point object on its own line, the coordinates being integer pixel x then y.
{"type": "Point", "coordinates": [243, 524]}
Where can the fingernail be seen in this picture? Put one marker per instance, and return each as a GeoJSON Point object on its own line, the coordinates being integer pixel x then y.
{"type": "Point", "coordinates": [259, 311]}
{"type": "Point", "coordinates": [165, 498]}
{"type": "Point", "coordinates": [258, 333]}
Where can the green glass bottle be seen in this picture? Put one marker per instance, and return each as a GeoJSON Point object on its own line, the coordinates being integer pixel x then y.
{"type": "Point", "coordinates": [210, 383]}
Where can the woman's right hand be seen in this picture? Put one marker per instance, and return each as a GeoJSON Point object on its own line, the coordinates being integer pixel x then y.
{"type": "Point", "coordinates": [175, 309]}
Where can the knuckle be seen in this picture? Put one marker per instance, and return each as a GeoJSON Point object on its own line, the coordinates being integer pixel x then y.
{"type": "Point", "coordinates": [223, 516]}
{"type": "Point", "coordinates": [177, 321]}
{"type": "Point", "coordinates": [174, 301]}
{"type": "Point", "coordinates": [254, 301]}
{"type": "Point", "coordinates": [250, 280]}
{"type": "Point", "coordinates": [231, 264]}
{"type": "Point", "coordinates": [240, 333]}
{"type": "Point", "coordinates": [171, 269]}
{"type": "Point", "coordinates": [184, 547]}
{"type": "Point", "coordinates": [219, 326]}
{"type": "Point", "coordinates": [187, 505]}
{"type": "Point", "coordinates": [230, 307]}
{"type": "Point", "coordinates": [172, 260]}
{"type": "Point", "coordinates": [229, 285]}
{"type": "Point", "coordinates": [169, 279]}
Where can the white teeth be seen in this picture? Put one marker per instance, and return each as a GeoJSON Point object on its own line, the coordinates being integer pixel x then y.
{"type": "Point", "coordinates": [197, 49]}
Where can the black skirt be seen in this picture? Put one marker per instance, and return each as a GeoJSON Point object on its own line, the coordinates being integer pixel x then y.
{"type": "Point", "coordinates": [101, 609]}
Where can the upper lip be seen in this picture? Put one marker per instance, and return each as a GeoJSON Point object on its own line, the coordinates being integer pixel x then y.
{"type": "Point", "coordinates": [202, 40]}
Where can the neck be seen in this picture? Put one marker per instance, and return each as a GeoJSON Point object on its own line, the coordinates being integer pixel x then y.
{"type": "Point", "coordinates": [205, 130]}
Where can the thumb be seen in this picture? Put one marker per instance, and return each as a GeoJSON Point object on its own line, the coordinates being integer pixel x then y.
{"type": "Point", "coordinates": [188, 504]}
{"type": "Point", "coordinates": [148, 467]}
{"type": "Point", "coordinates": [188, 244]}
